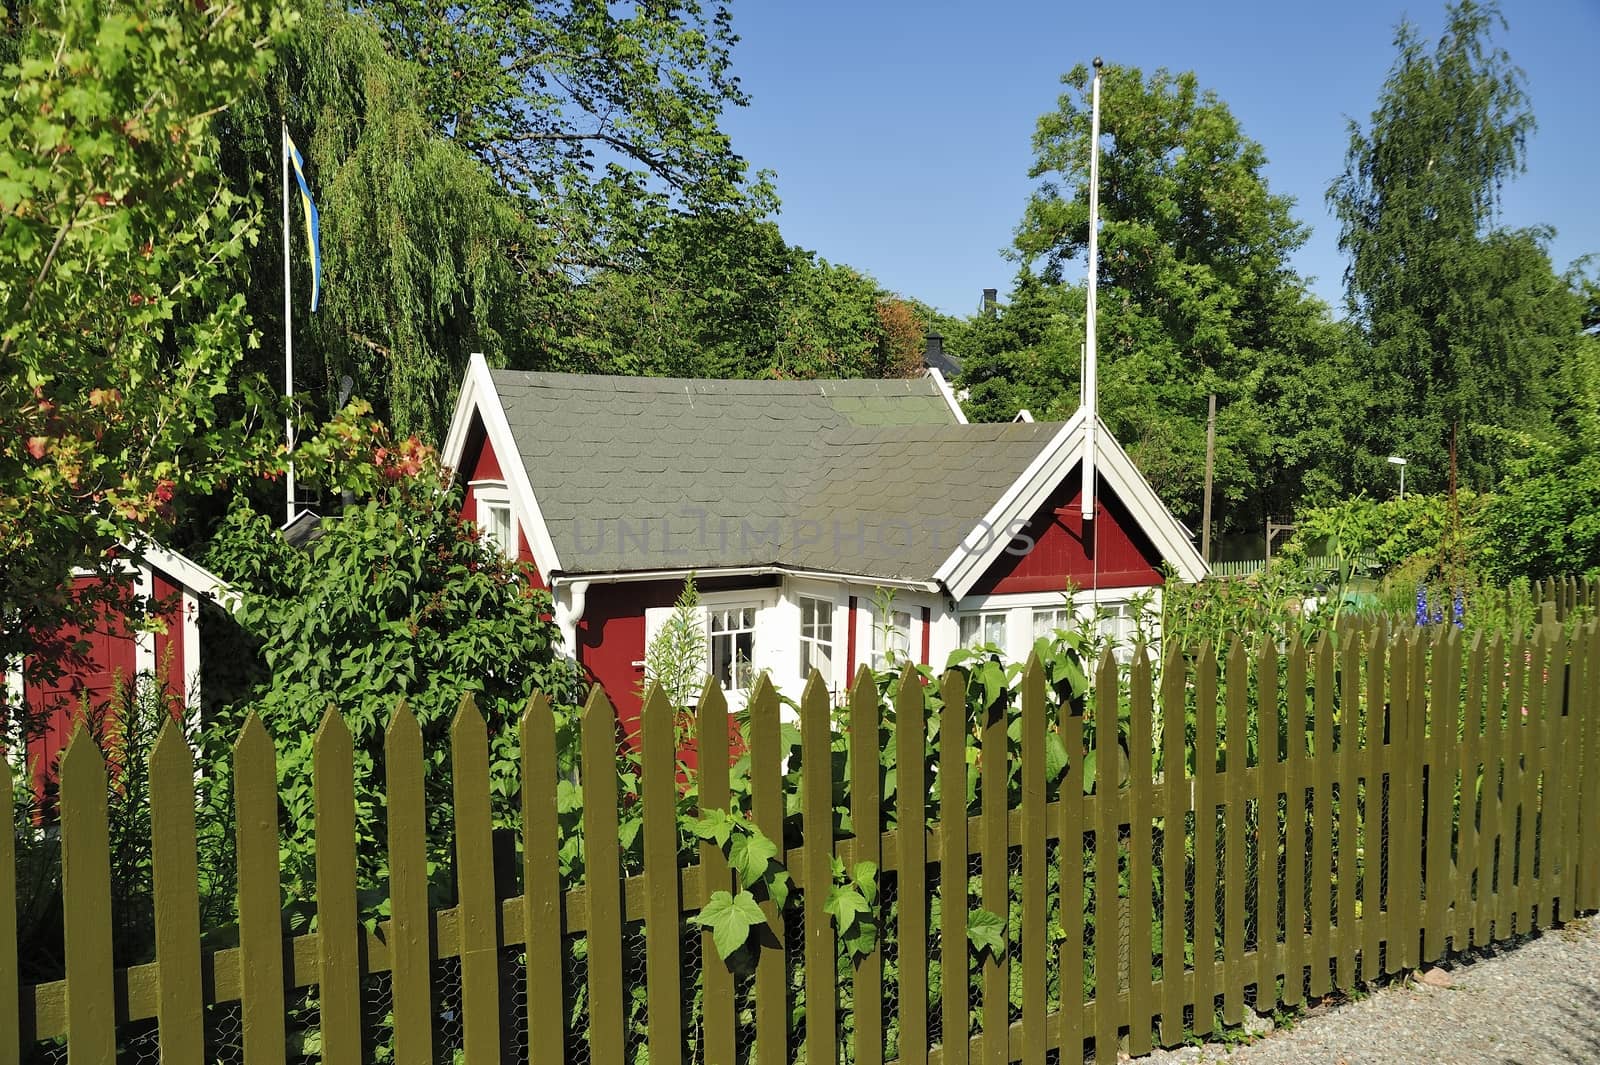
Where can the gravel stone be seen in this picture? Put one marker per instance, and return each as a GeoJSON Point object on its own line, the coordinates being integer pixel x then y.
{"type": "Point", "coordinates": [1533, 1003]}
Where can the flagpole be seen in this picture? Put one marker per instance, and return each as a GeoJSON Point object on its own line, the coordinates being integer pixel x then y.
{"type": "Point", "coordinates": [1090, 370]}
{"type": "Point", "coordinates": [288, 329]}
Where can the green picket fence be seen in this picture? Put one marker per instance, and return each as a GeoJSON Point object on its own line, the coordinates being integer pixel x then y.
{"type": "Point", "coordinates": [1260, 829]}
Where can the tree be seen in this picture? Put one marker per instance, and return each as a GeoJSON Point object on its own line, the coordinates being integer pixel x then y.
{"type": "Point", "coordinates": [397, 599]}
{"type": "Point", "coordinates": [1453, 307]}
{"type": "Point", "coordinates": [478, 166]}
{"type": "Point", "coordinates": [1196, 292]}
{"type": "Point", "coordinates": [121, 326]}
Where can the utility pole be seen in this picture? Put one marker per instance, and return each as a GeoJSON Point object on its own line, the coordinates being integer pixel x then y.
{"type": "Point", "coordinates": [1211, 455]}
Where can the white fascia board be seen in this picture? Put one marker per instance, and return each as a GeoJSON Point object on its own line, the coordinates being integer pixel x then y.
{"type": "Point", "coordinates": [703, 572]}
{"type": "Point", "coordinates": [1148, 510]}
{"type": "Point", "coordinates": [478, 396]}
{"type": "Point", "coordinates": [949, 396]}
{"type": "Point", "coordinates": [983, 544]}
{"type": "Point", "coordinates": [190, 574]}
{"type": "Point", "coordinates": [1024, 497]}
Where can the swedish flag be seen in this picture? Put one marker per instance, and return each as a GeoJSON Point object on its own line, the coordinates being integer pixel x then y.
{"type": "Point", "coordinates": [310, 208]}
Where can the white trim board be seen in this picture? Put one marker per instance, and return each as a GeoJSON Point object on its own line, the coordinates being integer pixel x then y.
{"type": "Point", "coordinates": [478, 395]}
{"type": "Point", "coordinates": [984, 544]}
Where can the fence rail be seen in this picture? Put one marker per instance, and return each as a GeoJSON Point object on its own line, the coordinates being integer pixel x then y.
{"type": "Point", "coordinates": [1258, 829]}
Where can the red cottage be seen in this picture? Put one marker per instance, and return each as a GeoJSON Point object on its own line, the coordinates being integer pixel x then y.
{"type": "Point", "coordinates": [803, 508]}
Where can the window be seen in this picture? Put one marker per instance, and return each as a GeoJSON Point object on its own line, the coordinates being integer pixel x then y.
{"type": "Point", "coordinates": [980, 629]}
{"type": "Point", "coordinates": [494, 520]}
{"type": "Point", "coordinates": [1118, 624]}
{"type": "Point", "coordinates": [733, 646]}
{"type": "Point", "coordinates": [816, 638]}
{"type": "Point", "coordinates": [1050, 620]}
{"type": "Point", "coordinates": [891, 642]}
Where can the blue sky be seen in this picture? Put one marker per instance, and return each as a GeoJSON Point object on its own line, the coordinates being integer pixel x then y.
{"type": "Point", "coordinates": [900, 133]}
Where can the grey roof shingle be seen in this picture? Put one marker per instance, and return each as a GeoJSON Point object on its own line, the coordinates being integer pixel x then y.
{"type": "Point", "coordinates": [866, 477]}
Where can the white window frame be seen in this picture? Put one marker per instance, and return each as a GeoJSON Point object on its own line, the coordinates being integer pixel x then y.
{"type": "Point", "coordinates": [495, 495]}
{"type": "Point", "coordinates": [982, 619]}
{"type": "Point", "coordinates": [823, 609]}
{"type": "Point", "coordinates": [900, 636]}
{"type": "Point", "coordinates": [732, 687]}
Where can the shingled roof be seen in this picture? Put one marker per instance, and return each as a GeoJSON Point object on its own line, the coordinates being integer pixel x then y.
{"type": "Point", "coordinates": [865, 477]}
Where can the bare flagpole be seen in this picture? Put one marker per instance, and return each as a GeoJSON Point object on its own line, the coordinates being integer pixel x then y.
{"type": "Point", "coordinates": [1090, 402]}
{"type": "Point", "coordinates": [288, 329]}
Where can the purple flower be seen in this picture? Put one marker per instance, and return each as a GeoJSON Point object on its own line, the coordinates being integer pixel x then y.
{"type": "Point", "coordinates": [1458, 608]}
{"type": "Point", "coordinates": [1422, 604]}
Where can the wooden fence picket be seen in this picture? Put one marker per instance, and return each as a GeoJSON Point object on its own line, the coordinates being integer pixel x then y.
{"type": "Point", "coordinates": [1528, 743]}
{"type": "Point", "coordinates": [816, 793]}
{"type": "Point", "coordinates": [1205, 840]}
{"type": "Point", "coordinates": [766, 799]}
{"type": "Point", "coordinates": [1466, 865]}
{"type": "Point", "coordinates": [1236, 756]}
{"type": "Point", "coordinates": [1551, 858]}
{"type": "Point", "coordinates": [994, 762]}
{"type": "Point", "coordinates": [176, 888]}
{"type": "Point", "coordinates": [911, 791]}
{"type": "Point", "coordinates": [1349, 739]}
{"type": "Point", "coordinates": [1071, 957]}
{"type": "Point", "coordinates": [1373, 836]}
{"type": "Point", "coordinates": [602, 881]}
{"type": "Point", "coordinates": [338, 948]}
{"type": "Point", "coordinates": [658, 785]}
{"type": "Point", "coordinates": [255, 795]}
{"type": "Point", "coordinates": [1269, 781]}
{"type": "Point", "coordinates": [955, 1020]}
{"type": "Point", "coordinates": [711, 744]}
{"type": "Point", "coordinates": [541, 877]}
{"type": "Point", "coordinates": [1141, 784]}
{"type": "Point", "coordinates": [86, 895]}
{"type": "Point", "coordinates": [477, 912]}
{"type": "Point", "coordinates": [1320, 814]}
{"type": "Point", "coordinates": [1294, 830]}
{"type": "Point", "coordinates": [1488, 924]}
{"type": "Point", "coordinates": [1034, 936]}
{"type": "Point", "coordinates": [410, 951]}
{"type": "Point", "coordinates": [1441, 746]}
{"type": "Point", "coordinates": [1107, 904]}
{"type": "Point", "coordinates": [1174, 834]}
{"type": "Point", "coordinates": [866, 790]}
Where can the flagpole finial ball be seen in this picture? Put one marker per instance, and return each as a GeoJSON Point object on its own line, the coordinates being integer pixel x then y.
{"type": "Point", "coordinates": [1098, 62]}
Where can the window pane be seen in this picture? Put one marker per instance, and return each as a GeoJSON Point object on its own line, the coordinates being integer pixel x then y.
{"type": "Point", "coordinates": [969, 630]}
{"type": "Point", "coordinates": [722, 660]}
{"type": "Point", "coordinates": [745, 649]}
{"type": "Point", "coordinates": [994, 629]}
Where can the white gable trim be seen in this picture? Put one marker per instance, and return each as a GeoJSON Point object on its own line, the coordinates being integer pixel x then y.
{"type": "Point", "coordinates": [949, 396]}
{"type": "Point", "coordinates": [190, 574]}
{"type": "Point", "coordinates": [478, 396]}
{"type": "Point", "coordinates": [1148, 509]}
{"type": "Point", "coordinates": [983, 545]}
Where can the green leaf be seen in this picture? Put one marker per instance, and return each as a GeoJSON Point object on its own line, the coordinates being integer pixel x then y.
{"type": "Point", "coordinates": [749, 853]}
{"type": "Point", "coordinates": [986, 931]}
{"type": "Point", "coordinates": [730, 918]}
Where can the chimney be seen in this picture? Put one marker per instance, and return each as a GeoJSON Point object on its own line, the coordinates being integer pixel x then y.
{"type": "Point", "coordinates": [990, 300]}
{"type": "Point", "coordinates": [935, 349]}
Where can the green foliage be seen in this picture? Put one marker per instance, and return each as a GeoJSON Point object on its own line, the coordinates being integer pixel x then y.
{"type": "Point", "coordinates": [1467, 323]}
{"type": "Point", "coordinates": [398, 599]}
{"type": "Point", "coordinates": [1197, 297]}
{"type": "Point", "coordinates": [121, 248]}
{"type": "Point", "coordinates": [676, 658]}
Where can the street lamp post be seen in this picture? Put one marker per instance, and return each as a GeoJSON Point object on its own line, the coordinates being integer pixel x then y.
{"type": "Point", "coordinates": [1398, 461]}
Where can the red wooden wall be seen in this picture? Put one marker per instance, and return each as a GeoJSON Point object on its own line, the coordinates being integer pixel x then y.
{"type": "Point", "coordinates": [1117, 554]}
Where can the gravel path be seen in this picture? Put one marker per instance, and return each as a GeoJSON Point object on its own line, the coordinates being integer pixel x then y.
{"type": "Point", "coordinates": [1537, 1003]}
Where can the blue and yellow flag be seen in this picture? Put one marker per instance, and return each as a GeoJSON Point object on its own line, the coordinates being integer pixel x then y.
{"type": "Point", "coordinates": [312, 229]}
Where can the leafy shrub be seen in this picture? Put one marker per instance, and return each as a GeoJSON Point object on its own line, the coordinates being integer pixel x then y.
{"type": "Point", "coordinates": [398, 598]}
